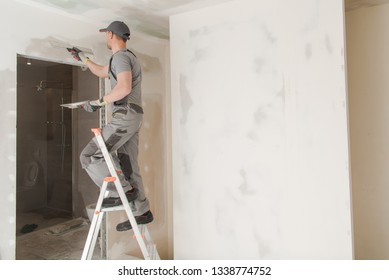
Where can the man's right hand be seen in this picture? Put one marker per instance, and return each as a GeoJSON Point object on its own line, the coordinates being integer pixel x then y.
{"type": "Point", "coordinates": [78, 54]}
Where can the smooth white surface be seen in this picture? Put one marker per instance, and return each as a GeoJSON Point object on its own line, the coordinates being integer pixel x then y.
{"type": "Point", "coordinates": [260, 144]}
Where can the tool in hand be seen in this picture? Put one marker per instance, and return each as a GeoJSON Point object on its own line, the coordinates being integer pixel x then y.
{"type": "Point", "coordinates": [78, 54]}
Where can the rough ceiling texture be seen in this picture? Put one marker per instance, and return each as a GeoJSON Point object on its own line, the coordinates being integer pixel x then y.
{"type": "Point", "coordinates": [147, 16]}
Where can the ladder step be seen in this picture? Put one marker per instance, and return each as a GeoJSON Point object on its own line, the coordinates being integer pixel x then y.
{"type": "Point", "coordinates": [112, 209]}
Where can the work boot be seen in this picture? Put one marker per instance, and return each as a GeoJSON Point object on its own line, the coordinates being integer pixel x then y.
{"type": "Point", "coordinates": [145, 218]}
{"type": "Point", "coordinates": [116, 201]}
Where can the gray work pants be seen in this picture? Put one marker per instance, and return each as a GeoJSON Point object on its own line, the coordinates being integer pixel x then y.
{"type": "Point", "coordinates": [121, 137]}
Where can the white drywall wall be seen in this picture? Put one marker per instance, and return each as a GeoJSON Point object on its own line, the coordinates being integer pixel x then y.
{"type": "Point", "coordinates": [368, 86]}
{"type": "Point", "coordinates": [260, 140]}
{"type": "Point", "coordinates": [28, 31]}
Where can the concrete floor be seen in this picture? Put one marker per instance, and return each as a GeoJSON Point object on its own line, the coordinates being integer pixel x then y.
{"type": "Point", "coordinates": [55, 238]}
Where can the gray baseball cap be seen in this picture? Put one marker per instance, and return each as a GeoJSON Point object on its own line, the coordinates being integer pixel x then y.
{"type": "Point", "coordinates": [119, 28]}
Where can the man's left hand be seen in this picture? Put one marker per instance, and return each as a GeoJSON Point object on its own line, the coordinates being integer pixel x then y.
{"type": "Point", "coordinates": [94, 105]}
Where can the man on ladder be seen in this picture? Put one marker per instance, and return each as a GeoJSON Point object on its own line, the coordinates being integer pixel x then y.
{"type": "Point", "coordinates": [121, 134]}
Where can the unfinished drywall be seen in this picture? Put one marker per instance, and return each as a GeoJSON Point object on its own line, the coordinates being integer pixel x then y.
{"type": "Point", "coordinates": [34, 37]}
{"type": "Point", "coordinates": [368, 87]}
{"type": "Point", "coordinates": [259, 118]}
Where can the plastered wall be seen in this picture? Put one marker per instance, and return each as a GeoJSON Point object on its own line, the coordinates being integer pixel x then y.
{"type": "Point", "coordinates": [259, 119]}
{"type": "Point", "coordinates": [368, 86]}
{"type": "Point", "coordinates": [31, 36]}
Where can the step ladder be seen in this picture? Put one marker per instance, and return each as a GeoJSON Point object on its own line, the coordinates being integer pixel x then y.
{"type": "Point", "coordinates": [141, 232]}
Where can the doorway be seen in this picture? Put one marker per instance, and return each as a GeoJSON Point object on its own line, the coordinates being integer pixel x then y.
{"type": "Point", "coordinates": [51, 186]}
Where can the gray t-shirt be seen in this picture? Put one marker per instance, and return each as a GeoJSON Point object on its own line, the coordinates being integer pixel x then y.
{"type": "Point", "coordinates": [124, 60]}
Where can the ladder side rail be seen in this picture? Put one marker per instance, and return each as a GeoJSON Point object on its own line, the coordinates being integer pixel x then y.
{"type": "Point", "coordinates": [94, 237]}
{"type": "Point", "coordinates": [119, 188]}
{"type": "Point", "coordinates": [146, 233]}
{"type": "Point", "coordinates": [133, 222]}
{"type": "Point", "coordinates": [95, 223]}
{"type": "Point", "coordinates": [152, 249]}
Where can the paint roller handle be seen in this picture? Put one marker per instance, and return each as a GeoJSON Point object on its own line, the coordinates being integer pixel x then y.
{"type": "Point", "coordinates": [78, 54]}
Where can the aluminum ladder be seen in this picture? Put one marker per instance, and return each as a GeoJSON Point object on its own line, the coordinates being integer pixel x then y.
{"type": "Point", "coordinates": [141, 232]}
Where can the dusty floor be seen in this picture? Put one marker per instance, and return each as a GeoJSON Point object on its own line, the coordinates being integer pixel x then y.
{"type": "Point", "coordinates": [56, 237]}
{"type": "Point", "coordinates": [43, 218]}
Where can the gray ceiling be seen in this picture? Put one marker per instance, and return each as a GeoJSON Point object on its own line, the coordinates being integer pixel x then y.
{"type": "Point", "coordinates": [147, 16]}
